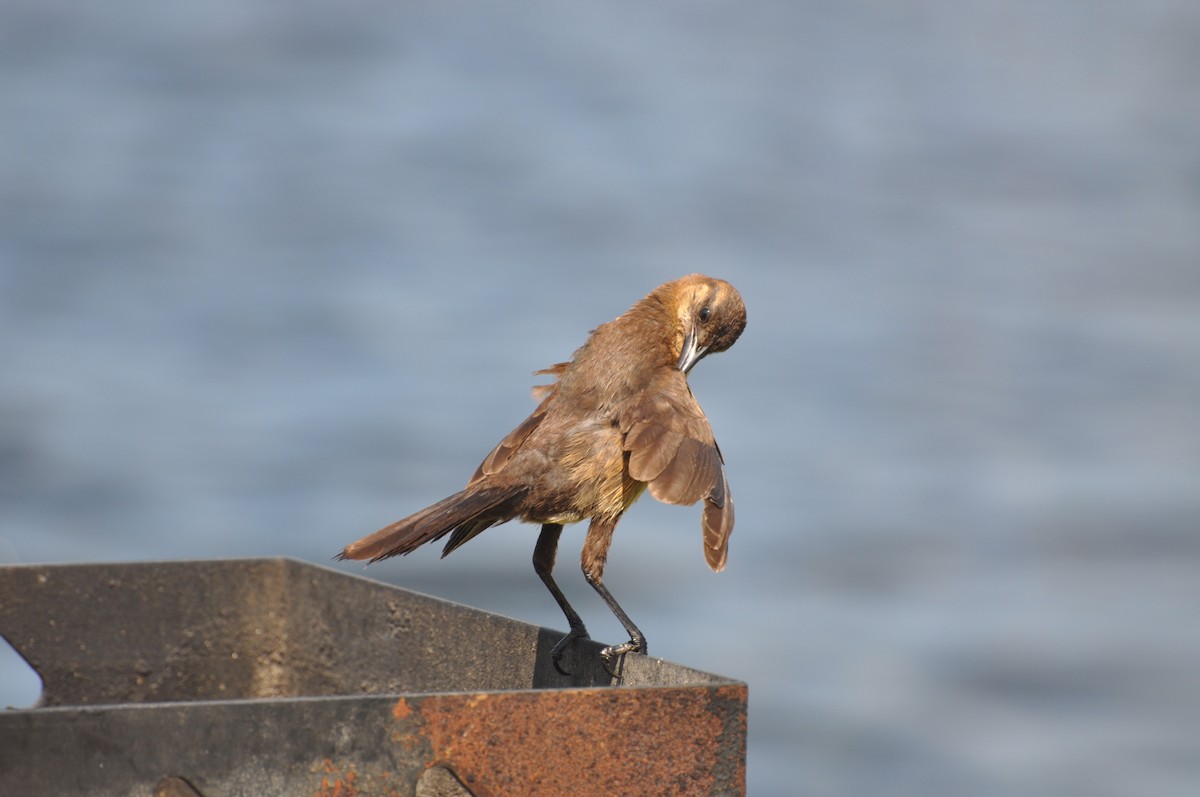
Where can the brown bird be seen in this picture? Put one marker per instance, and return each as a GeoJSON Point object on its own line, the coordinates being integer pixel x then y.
{"type": "Point", "coordinates": [619, 418]}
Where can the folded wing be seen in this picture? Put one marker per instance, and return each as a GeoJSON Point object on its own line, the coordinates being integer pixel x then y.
{"type": "Point", "coordinates": [498, 456]}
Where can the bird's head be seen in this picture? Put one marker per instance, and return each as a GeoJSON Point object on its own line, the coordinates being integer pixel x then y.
{"type": "Point", "coordinates": [710, 315]}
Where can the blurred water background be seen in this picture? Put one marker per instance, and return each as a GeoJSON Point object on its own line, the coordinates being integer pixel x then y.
{"type": "Point", "coordinates": [275, 274]}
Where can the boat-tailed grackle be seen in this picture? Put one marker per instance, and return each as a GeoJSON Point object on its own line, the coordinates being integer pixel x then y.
{"type": "Point", "coordinates": [619, 418]}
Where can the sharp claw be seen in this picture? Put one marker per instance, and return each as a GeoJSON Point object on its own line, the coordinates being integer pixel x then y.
{"type": "Point", "coordinates": [556, 653]}
{"type": "Point", "coordinates": [614, 655]}
{"type": "Point", "coordinates": [613, 663]}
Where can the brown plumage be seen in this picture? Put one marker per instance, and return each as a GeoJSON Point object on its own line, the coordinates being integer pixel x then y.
{"type": "Point", "coordinates": [618, 419]}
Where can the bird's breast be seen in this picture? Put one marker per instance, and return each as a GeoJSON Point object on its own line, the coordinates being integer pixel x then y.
{"type": "Point", "coordinates": [589, 477]}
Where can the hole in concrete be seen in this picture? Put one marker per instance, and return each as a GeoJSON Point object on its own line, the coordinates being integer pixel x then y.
{"type": "Point", "coordinates": [20, 686]}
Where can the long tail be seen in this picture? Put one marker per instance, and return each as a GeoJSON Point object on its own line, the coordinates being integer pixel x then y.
{"type": "Point", "coordinates": [466, 513]}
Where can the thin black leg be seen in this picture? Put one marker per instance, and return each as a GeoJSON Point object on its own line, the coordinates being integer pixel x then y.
{"type": "Point", "coordinates": [543, 563]}
{"type": "Point", "coordinates": [637, 640]}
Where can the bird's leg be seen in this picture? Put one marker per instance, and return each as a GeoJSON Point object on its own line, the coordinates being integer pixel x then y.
{"type": "Point", "coordinates": [543, 563]}
{"type": "Point", "coordinates": [595, 554]}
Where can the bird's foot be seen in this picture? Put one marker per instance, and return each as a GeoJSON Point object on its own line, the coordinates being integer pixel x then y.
{"type": "Point", "coordinates": [556, 653]}
{"type": "Point", "coordinates": [614, 655]}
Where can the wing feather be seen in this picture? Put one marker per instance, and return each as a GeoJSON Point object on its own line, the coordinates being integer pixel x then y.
{"type": "Point", "coordinates": [504, 450]}
{"type": "Point", "coordinates": [652, 446]}
{"type": "Point", "coordinates": [718, 525]}
{"type": "Point", "coordinates": [692, 473]}
{"type": "Point", "coordinates": [672, 448]}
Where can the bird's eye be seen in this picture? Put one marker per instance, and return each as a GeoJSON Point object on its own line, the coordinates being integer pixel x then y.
{"type": "Point", "coordinates": [705, 314]}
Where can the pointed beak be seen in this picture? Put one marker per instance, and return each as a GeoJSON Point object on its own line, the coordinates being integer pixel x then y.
{"type": "Point", "coordinates": [692, 352]}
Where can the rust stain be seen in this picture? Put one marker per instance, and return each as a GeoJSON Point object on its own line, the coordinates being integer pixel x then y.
{"type": "Point", "coordinates": [338, 783]}
{"type": "Point", "coordinates": [407, 732]}
{"type": "Point", "coordinates": [337, 788]}
{"type": "Point", "coordinates": [348, 782]}
{"type": "Point", "coordinates": [617, 741]}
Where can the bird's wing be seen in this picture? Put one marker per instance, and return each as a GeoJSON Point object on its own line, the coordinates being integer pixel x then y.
{"type": "Point", "coordinates": [672, 448]}
{"type": "Point", "coordinates": [504, 450]}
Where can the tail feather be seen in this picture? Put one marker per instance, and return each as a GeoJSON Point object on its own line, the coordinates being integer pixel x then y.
{"type": "Point", "coordinates": [475, 508]}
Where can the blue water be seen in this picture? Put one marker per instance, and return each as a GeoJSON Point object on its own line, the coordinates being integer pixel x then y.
{"type": "Point", "coordinates": [273, 275]}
